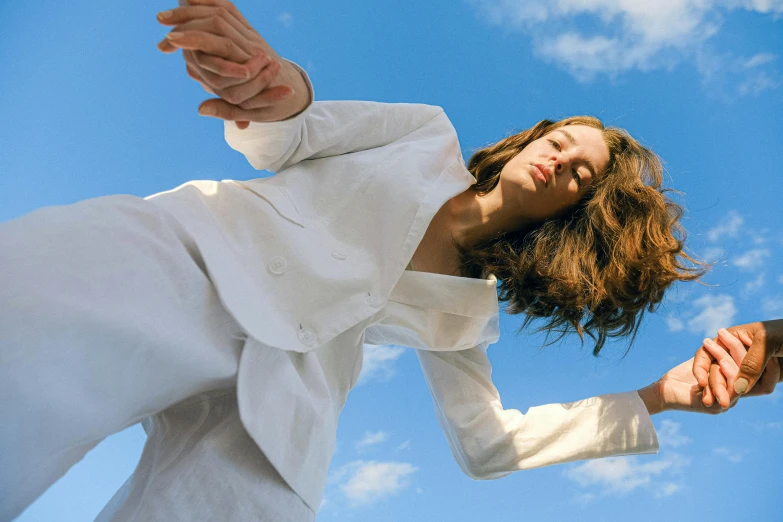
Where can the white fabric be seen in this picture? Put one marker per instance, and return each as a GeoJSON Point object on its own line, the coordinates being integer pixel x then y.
{"type": "Point", "coordinates": [199, 464]}
{"type": "Point", "coordinates": [123, 307]}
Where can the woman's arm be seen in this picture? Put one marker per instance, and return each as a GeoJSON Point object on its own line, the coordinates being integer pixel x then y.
{"type": "Point", "coordinates": [284, 130]}
{"type": "Point", "coordinates": [332, 128]}
{"type": "Point", "coordinates": [490, 442]}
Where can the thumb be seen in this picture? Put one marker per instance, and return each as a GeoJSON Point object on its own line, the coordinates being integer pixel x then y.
{"type": "Point", "coordinates": [752, 365]}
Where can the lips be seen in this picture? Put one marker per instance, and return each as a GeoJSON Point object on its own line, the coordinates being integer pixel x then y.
{"type": "Point", "coordinates": [541, 172]}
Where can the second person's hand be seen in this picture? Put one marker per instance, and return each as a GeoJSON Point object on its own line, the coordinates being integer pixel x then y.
{"type": "Point", "coordinates": [751, 352]}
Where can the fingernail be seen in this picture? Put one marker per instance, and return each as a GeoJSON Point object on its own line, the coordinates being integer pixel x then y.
{"type": "Point", "coordinates": [165, 14]}
{"type": "Point", "coordinates": [207, 111]}
{"type": "Point", "coordinates": [741, 385]}
{"type": "Point", "coordinates": [174, 35]}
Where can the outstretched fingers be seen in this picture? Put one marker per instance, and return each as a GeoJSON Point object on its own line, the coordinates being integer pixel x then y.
{"type": "Point", "coordinates": [701, 366]}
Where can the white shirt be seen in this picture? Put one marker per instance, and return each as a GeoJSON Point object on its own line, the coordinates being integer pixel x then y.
{"type": "Point", "coordinates": [311, 263]}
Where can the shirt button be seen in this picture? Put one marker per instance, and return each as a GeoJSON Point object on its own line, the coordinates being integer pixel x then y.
{"type": "Point", "coordinates": [337, 254]}
{"type": "Point", "coordinates": [277, 265]}
{"type": "Point", "coordinates": [307, 336]}
{"type": "Point", "coordinates": [375, 300]}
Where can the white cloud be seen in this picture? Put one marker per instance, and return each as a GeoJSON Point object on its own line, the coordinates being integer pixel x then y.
{"type": "Point", "coordinates": [668, 489]}
{"type": "Point", "coordinates": [371, 439]}
{"type": "Point", "coordinates": [755, 285]}
{"type": "Point", "coordinates": [404, 445]}
{"type": "Point", "coordinates": [759, 59]}
{"type": "Point", "coordinates": [712, 254]}
{"type": "Point", "coordinates": [762, 6]}
{"type": "Point", "coordinates": [714, 312]}
{"type": "Point", "coordinates": [669, 434]}
{"type": "Point", "coordinates": [729, 226]}
{"type": "Point", "coordinates": [674, 324]}
{"type": "Point", "coordinates": [752, 259]}
{"type": "Point", "coordinates": [619, 474]}
{"type": "Point", "coordinates": [776, 425]}
{"type": "Point", "coordinates": [370, 481]}
{"type": "Point", "coordinates": [379, 362]}
{"type": "Point", "coordinates": [285, 18]}
{"type": "Point", "coordinates": [584, 498]}
{"type": "Point", "coordinates": [630, 34]}
{"type": "Point", "coordinates": [780, 279]}
{"type": "Point", "coordinates": [734, 456]}
{"type": "Point", "coordinates": [771, 308]}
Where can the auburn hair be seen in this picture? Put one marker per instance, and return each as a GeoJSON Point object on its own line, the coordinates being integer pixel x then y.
{"type": "Point", "coordinates": [598, 267]}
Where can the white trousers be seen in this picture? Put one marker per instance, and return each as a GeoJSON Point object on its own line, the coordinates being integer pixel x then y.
{"type": "Point", "coordinates": [108, 317]}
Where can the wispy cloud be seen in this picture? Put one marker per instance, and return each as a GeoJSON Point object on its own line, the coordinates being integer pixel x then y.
{"type": "Point", "coordinates": [669, 434]}
{"type": "Point", "coordinates": [379, 362]}
{"type": "Point", "coordinates": [733, 455]}
{"type": "Point", "coordinates": [772, 308]}
{"type": "Point", "coordinates": [729, 226]}
{"type": "Point", "coordinates": [620, 475]}
{"type": "Point", "coordinates": [712, 312]}
{"type": "Point", "coordinates": [371, 439]}
{"type": "Point", "coordinates": [367, 482]}
{"type": "Point", "coordinates": [752, 259]}
{"type": "Point", "coordinates": [712, 254]}
{"type": "Point", "coordinates": [755, 284]}
{"type": "Point", "coordinates": [674, 324]}
{"type": "Point", "coordinates": [626, 35]}
{"type": "Point", "coordinates": [285, 18]}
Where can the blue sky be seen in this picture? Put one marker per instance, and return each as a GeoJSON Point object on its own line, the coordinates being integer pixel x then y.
{"type": "Point", "coordinates": [89, 107]}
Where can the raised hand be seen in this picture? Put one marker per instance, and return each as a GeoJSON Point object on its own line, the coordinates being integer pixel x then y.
{"type": "Point", "coordinates": [679, 390]}
{"type": "Point", "coordinates": [229, 58]}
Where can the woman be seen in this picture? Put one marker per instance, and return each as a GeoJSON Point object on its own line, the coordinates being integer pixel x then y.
{"type": "Point", "coordinates": [230, 317]}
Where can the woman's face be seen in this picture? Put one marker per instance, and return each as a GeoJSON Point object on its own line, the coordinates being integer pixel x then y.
{"type": "Point", "coordinates": [551, 173]}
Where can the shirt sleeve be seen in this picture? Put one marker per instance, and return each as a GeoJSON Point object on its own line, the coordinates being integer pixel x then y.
{"type": "Point", "coordinates": [326, 128]}
{"type": "Point", "coordinates": [490, 442]}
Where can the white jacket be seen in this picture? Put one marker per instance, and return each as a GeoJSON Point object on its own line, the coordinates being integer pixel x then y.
{"type": "Point", "coordinates": [357, 185]}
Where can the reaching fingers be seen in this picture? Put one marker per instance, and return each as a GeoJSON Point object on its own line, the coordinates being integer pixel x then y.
{"type": "Point", "coordinates": [166, 46]}
{"type": "Point", "coordinates": [707, 398]}
{"type": "Point", "coordinates": [228, 6]}
{"type": "Point", "coordinates": [723, 358]}
{"type": "Point", "coordinates": [209, 43]}
{"type": "Point", "coordinates": [219, 72]}
{"type": "Point", "coordinates": [718, 386]}
{"type": "Point", "coordinates": [268, 97]}
{"type": "Point", "coordinates": [196, 75]}
{"type": "Point", "coordinates": [216, 26]}
{"type": "Point", "coordinates": [191, 12]}
{"type": "Point", "coordinates": [218, 108]}
{"type": "Point", "coordinates": [701, 366]}
{"type": "Point", "coordinates": [735, 346]}
{"type": "Point", "coordinates": [239, 94]}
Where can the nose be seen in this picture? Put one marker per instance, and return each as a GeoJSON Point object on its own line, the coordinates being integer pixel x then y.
{"type": "Point", "coordinates": [560, 163]}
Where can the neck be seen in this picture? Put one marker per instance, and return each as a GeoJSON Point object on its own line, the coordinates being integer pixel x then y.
{"type": "Point", "coordinates": [471, 218]}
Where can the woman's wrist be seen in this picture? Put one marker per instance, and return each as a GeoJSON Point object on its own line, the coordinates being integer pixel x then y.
{"type": "Point", "coordinates": [652, 398]}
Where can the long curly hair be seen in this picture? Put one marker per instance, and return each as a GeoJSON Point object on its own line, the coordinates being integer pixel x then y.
{"type": "Point", "coordinates": [596, 269]}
